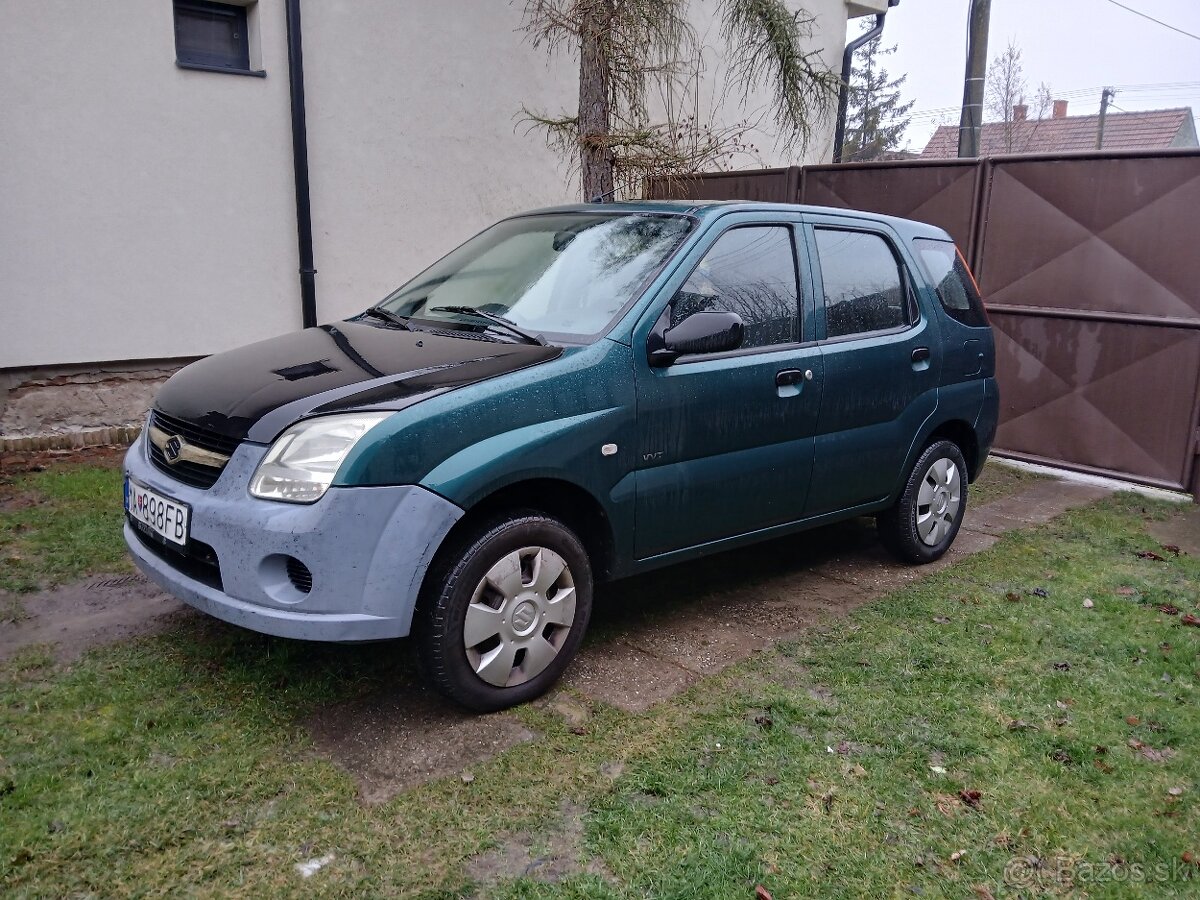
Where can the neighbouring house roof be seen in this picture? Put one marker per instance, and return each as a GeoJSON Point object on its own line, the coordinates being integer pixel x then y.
{"type": "Point", "coordinates": [1152, 129]}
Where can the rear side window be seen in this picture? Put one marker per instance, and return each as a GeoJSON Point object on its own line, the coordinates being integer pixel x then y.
{"type": "Point", "coordinates": [864, 290]}
{"type": "Point", "coordinates": [751, 271]}
{"type": "Point", "coordinates": [953, 283]}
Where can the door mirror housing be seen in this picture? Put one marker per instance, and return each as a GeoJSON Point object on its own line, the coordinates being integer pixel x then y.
{"type": "Point", "coordinates": [708, 331]}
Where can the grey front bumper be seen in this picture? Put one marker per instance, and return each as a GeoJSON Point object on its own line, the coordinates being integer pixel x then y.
{"type": "Point", "coordinates": [367, 547]}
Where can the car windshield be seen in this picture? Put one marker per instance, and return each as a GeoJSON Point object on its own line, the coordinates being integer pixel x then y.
{"type": "Point", "coordinates": [564, 275]}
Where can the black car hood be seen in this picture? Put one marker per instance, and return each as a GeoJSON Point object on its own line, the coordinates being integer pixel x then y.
{"type": "Point", "coordinates": [258, 390]}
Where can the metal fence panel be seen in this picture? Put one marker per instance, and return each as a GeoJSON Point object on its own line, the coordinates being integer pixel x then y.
{"type": "Point", "coordinates": [1117, 398]}
{"type": "Point", "coordinates": [761, 185]}
{"type": "Point", "coordinates": [1114, 235]}
{"type": "Point", "coordinates": [1088, 268]}
{"type": "Point", "coordinates": [941, 193]}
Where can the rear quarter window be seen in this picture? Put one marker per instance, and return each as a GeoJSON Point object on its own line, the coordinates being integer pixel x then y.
{"type": "Point", "coordinates": [953, 283]}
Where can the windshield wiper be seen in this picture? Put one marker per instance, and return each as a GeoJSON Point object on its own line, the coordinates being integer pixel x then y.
{"type": "Point", "coordinates": [501, 322]}
{"type": "Point", "coordinates": [378, 312]}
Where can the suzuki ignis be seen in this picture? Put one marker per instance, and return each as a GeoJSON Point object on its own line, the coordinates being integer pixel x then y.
{"type": "Point", "coordinates": [575, 394]}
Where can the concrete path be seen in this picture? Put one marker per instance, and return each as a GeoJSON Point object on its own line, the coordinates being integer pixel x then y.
{"type": "Point", "coordinates": [661, 633]}
{"type": "Point", "coordinates": [651, 637]}
{"type": "Point", "coordinates": [1181, 531]}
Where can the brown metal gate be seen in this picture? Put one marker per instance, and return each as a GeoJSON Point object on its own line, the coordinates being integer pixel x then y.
{"type": "Point", "coordinates": [1091, 274]}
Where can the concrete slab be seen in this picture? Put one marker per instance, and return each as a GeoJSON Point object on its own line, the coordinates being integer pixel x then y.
{"type": "Point", "coordinates": [968, 543]}
{"type": "Point", "coordinates": [668, 629]}
{"type": "Point", "coordinates": [77, 617]}
{"type": "Point", "coordinates": [623, 676]}
{"type": "Point", "coordinates": [1181, 531]}
{"type": "Point", "coordinates": [704, 642]}
{"type": "Point", "coordinates": [572, 711]}
{"type": "Point", "coordinates": [873, 569]}
{"type": "Point", "coordinates": [1041, 502]}
{"type": "Point", "coordinates": [712, 613]}
{"type": "Point", "coordinates": [774, 619]}
{"type": "Point", "coordinates": [808, 600]}
{"type": "Point", "coordinates": [392, 742]}
{"type": "Point", "coordinates": [1113, 484]}
{"type": "Point", "coordinates": [658, 635]}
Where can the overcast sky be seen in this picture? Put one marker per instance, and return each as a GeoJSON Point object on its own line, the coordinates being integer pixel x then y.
{"type": "Point", "coordinates": [1076, 46]}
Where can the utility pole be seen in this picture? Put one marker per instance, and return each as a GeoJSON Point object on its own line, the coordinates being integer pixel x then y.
{"type": "Point", "coordinates": [1105, 99]}
{"type": "Point", "coordinates": [972, 106]}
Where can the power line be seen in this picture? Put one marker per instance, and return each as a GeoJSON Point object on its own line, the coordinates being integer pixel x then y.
{"type": "Point", "coordinates": [1160, 84]}
{"type": "Point", "coordinates": [1172, 88]}
{"type": "Point", "coordinates": [1195, 37]}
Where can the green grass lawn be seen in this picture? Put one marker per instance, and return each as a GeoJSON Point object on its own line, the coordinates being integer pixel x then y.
{"type": "Point", "coordinates": [60, 524]}
{"type": "Point", "coordinates": [996, 481]}
{"type": "Point", "coordinates": [844, 765]}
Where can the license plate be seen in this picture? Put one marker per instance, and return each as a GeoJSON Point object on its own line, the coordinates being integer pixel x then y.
{"type": "Point", "coordinates": [157, 514]}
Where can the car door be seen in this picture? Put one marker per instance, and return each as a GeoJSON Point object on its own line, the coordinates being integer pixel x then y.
{"type": "Point", "coordinates": [726, 439]}
{"type": "Point", "coordinates": [882, 359]}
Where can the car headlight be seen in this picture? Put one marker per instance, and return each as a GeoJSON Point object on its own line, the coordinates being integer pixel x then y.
{"type": "Point", "coordinates": [301, 463]}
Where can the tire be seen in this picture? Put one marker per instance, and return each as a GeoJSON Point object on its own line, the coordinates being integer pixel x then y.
{"type": "Point", "coordinates": [519, 589]}
{"type": "Point", "coordinates": [923, 522]}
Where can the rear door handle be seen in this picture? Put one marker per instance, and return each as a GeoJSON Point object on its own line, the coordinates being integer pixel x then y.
{"type": "Point", "coordinates": [787, 377]}
{"type": "Point", "coordinates": [920, 354]}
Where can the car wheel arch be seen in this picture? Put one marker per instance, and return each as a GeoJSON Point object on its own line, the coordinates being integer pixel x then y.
{"type": "Point", "coordinates": [573, 505]}
{"type": "Point", "coordinates": [962, 434]}
{"type": "Point", "coordinates": [958, 432]}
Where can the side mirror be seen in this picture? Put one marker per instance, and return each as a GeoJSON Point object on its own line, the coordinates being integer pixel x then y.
{"type": "Point", "coordinates": [710, 331]}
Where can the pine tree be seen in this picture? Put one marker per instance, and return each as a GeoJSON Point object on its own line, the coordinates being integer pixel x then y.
{"type": "Point", "coordinates": [876, 117]}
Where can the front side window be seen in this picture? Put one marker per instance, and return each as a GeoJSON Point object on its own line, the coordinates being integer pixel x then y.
{"type": "Point", "coordinates": [565, 275]}
{"type": "Point", "coordinates": [953, 283]}
{"type": "Point", "coordinates": [750, 271]}
{"type": "Point", "coordinates": [864, 290]}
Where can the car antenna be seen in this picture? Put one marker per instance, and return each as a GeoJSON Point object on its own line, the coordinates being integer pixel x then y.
{"type": "Point", "coordinates": [600, 198]}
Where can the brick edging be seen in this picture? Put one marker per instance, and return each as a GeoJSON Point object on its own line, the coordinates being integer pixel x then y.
{"type": "Point", "coordinates": [116, 435]}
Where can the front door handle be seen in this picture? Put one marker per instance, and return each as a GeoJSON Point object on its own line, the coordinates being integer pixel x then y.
{"type": "Point", "coordinates": [920, 354]}
{"type": "Point", "coordinates": [787, 377]}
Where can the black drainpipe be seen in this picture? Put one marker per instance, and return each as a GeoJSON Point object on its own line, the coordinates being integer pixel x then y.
{"type": "Point", "coordinates": [308, 281]}
{"type": "Point", "coordinates": [839, 135]}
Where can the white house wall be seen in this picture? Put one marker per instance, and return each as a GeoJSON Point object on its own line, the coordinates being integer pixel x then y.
{"type": "Point", "coordinates": [721, 102]}
{"type": "Point", "coordinates": [414, 140]}
{"type": "Point", "coordinates": [146, 208]}
{"type": "Point", "coordinates": [148, 211]}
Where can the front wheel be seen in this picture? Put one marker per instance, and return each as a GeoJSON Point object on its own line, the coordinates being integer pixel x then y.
{"type": "Point", "coordinates": [923, 522]}
{"type": "Point", "coordinates": [505, 612]}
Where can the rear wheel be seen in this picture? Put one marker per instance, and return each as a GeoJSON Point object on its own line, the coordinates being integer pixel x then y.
{"type": "Point", "coordinates": [505, 612]}
{"type": "Point", "coordinates": [922, 524]}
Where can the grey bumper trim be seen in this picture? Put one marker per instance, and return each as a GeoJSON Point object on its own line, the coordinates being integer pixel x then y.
{"type": "Point", "coordinates": [280, 622]}
{"type": "Point", "coordinates": [367, 549]}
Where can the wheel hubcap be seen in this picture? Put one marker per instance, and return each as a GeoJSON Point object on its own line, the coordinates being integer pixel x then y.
{"type": "Point", "coordinates": [519, 616]}
{"type": "Point", "coordinates": [938, 501]}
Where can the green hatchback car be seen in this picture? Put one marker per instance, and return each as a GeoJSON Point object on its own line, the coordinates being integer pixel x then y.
{"type": "Point", "coordinates": [575, 394]}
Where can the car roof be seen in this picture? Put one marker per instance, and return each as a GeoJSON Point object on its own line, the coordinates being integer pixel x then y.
{"type": "Point", "coordinates": [705, 209]}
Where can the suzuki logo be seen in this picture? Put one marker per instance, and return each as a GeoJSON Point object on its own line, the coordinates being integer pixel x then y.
{"type": "Point", "coordinates": [176, 450]}
{"type": "Point", "coordinates": [524, 617]}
